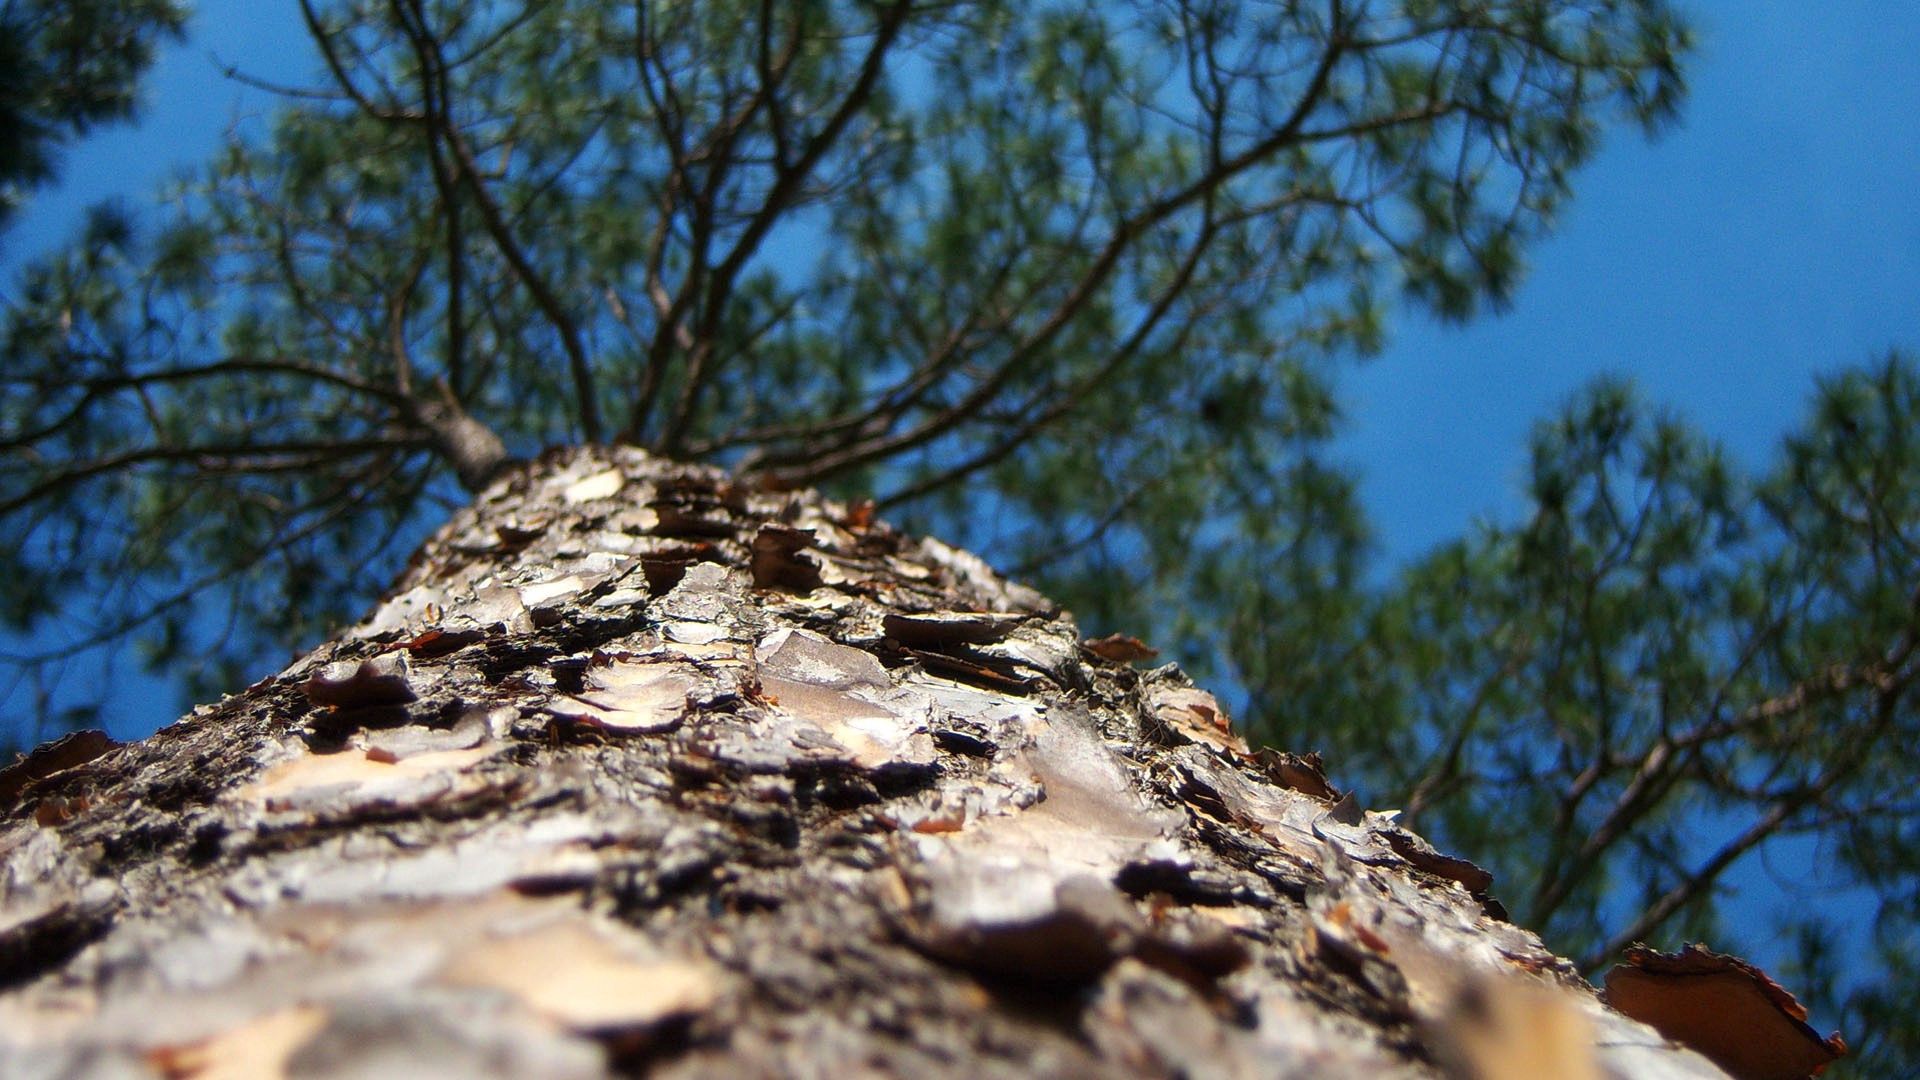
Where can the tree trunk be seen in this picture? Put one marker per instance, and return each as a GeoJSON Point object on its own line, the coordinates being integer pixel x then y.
{"type": "Point", "coordinates": [639, 770]}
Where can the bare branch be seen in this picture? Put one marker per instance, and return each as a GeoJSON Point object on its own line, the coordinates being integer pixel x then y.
{"type": "Point", "coordinates": [786, 185]}
{"type": "Point", "coordinates": [1125, 235]}
{"type": "Point", "coordinates": [94, 390]}
{"type": "Point", "coordinates": [323, 38]}
{"type": "Point", "coordinates": [507, 243]}
{"type": "Point", "coordinates": [224, 457]}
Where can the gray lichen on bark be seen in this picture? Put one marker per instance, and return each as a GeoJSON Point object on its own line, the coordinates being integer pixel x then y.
{"type": "Point", "coordinates": [637, 769]}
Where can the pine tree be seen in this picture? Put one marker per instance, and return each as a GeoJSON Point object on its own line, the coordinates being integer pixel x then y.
{"type": "Point", "coordinates": [1061, 282]}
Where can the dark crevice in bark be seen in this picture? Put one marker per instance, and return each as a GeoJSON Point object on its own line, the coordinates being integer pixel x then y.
{"type": "Point", "coordinates": [42, 945]}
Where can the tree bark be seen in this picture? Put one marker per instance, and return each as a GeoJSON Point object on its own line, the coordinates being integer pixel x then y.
{"type": "Point", "coordinates": [638, 770]}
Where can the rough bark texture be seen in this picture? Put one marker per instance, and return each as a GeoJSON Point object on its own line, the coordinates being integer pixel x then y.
{"type": "Point", "coordinates": [637, 770]}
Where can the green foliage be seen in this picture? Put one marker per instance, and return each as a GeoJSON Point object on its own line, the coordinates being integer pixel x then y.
{"type": "Point", "coordinates": [67, 66]}
{"type": "Point", "coordinates": [1667, 670]}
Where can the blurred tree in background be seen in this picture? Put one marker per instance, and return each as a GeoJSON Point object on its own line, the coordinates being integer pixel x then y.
{"type": "Point", "coordinates": [1666, 670]}
{"type": "Point", "coordinates": [1063, 282]}
{"type": "Point", "coordinates": [67, 66]}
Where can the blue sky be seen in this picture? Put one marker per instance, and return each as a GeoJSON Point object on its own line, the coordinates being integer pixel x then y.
{"type": "Point", "coordinates": [1774, 235]}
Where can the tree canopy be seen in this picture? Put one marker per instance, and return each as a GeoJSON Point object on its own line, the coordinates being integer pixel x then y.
{"type": "Point", "coordinates": [1060, 281]}
{"type": "Point", "coordinates": [894, 247]}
